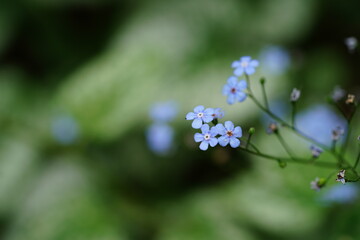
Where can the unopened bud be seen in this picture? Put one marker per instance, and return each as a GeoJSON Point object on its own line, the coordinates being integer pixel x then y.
{"type": "Point", "coordinates": [262, 80]}
{"type": "Point", "coordinates": [251, 130]}
{"type": "Point", "coordinates": [282, 164]}
{"type": "Point", "coordinates": [295, 95]}
{"type": "Point", "coordinates": [272, 128]}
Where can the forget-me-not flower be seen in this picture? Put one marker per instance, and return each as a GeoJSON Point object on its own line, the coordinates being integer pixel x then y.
{"type": "Point", "coordinates": [245, 64]}
{"type": "Point", "coordinates": [200, 116]}
{"type": "Point", "coordinates": [206, 137]}
{"type": "Point", "coordinates": [234, 90]}
{"type": "Point", "coordinates": [340, 177]}
{"type": "Point", "coordinates": [163, 112]}
{"type": "Point", "coordinates": [229, 134]}
{"type": "Point", "coordinates": [160, 138]}
{"type": "Point", "coordinates": [218, 113]}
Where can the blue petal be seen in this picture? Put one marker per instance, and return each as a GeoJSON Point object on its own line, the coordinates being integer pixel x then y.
{"type": "Point", "coordinates": [245, 59]}
{"type": "Point", "coordinates": [214, 131]}
{"type": "Point", "coordinates": [220, 129]}
{"type": "Point", "coordinates": [237, 132]}
{"type": "Point", "coordinates": [197, 123]}
{"type": "Point", "coordinates": [223, 141]}
{"type": "Point", "coordinates": [209, 111]}
{"type": "Point", "coordinates": [241, 96]}
{"type": "Point", "coordinates": [235, 64]}
{"type": "Point", "coordinates": [242, 84]}
{"type": "Point", "coordinates": [229, 125]}
{"type": "Point", "coordinates": [190, 116]}
{"type": "Point", "coordinates": [199, 108]}
{"type": "Point", "coordinates": [234, 142]}
{"type": "Point", "coordinates": [208, 118]}
{"type": "Point", "coordinates": [232, 81]}
{"type": "Point", "coordinates": [250, 70]}
{"type": "Point", "coordinates": [239, 71]}
{"type": "Point", "coordinates": [226, 89]}
{"type": "Point", "coordinates": [231, 99]}
{"type": "Point", "coordinates": [204, 145]}
{"type": "Point", "coordinates": [198, 137]}
{"type": "Point", "coordinates": [254, 63]}
{"type": "Point", "coordinates": [205, 128]}
{"type": "Point", "coordinates": [213, 142]}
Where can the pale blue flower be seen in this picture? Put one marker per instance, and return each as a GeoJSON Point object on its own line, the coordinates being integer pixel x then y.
{"type": "Point", "coordinates": [206, 137]}
{"type": "Point", "coordinates": [234, 90]}
{"type": "Point", "coordinates": [244, 65]}
{"type": "Point", "coordinates": [200, 116]}
{"type": "Point", "coordinates": [229, 134]}
{"type": "Point", "coordinates": [340, 194]}
{"type": "Point", "coordinates": [163, 111]}
{"type": "Point", "coordinates": [160, 138]}
{"type": "Point", "coordinates": [218, 113]}
{"type": "Point", "coordinates": [274, 60]}
{"type": "Point", "coordinates": [65, 129]}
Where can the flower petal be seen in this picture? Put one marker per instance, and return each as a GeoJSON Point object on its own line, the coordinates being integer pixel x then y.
{"type": "Point", "coordinates": [229, 126]}
{"type": "Point", "coordinates": [245, 59]}
{"type": "Point", "coordinates": [232, 81]}
{"type": "Point", "coordinates": [198, 137]}
{"type": "Point", "coordinates": [208, 118]}
{"type": "Point", "coordinates": [190, 116]}
{"type": "Point", "coordinates": [254, 63]}
{"type": "Point", "coordinates": [209, 111]}
{"type": "Point", "coordinates": [204, 145]}
{"type": "Point", "coordinates": [231, 99]}
{"type": "Point", "coordinates": [226, 89]}
{"type": "Point", "coordinates": [238, 71]}
{"type": "Point", "coordinates": [250, 70]}
{"type": "Point", "coordinates": [197, 123]}
{"type": "Point", "coordinates": [242, 85]}
{"type": "Point", "coordinates": [199, 108]}
{"type": "Point", "coordinates": [220, 129]}
{"type": "Point", "coordinates": [237, 132]}
{"type": "Point", "coordinates": [241, 96]}
{"type": "Point", "coordinates": [213, 142]}
{"type": "Point", "coordinates": [235, 64]}
{"type": "Point", "coordinates": [234, 142]}
{"type": "Point", "coordinates": [223, 141]}
{"type": "Point", "coordinates": [205, 128]}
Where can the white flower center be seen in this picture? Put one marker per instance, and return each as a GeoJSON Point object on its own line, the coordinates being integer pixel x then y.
{"type": "Point", "coordinates": [244, 64]}
{"type": "Point", "coordinates": [200, 115]}
{"type": "Point", "coordinates": [207, 136]}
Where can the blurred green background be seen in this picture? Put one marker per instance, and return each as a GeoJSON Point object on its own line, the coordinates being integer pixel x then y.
{"type": "Point", "coordinates": [77, 80]}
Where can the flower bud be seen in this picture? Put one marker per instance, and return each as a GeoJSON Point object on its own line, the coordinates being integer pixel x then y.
{"type": "Point", "coordinates": [251, 130]}
{"type": "Point", "coordinates": [295, 95]}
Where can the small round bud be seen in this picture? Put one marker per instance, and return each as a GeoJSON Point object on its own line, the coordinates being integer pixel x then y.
{"type": "Point", "coordinates": [262, 80]}
{"type": "Point", "coordinates": [295, 95]}
{"type": "Point", "coordinates": [282, 164]}
{"type": "Point", "coordinates": [321, 182]}
{"type": "Point", "coordinates": [251, 130]}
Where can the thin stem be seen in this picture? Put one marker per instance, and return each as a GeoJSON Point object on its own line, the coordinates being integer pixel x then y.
{"type": "Point", "coordinates": [357, 160]}
{"type": "Point", "coordinates": [293, 113]}
{"type": "Point", "coordinates": [285, 146]}
{"type": "Point", "coordinates": [248, 141]}
{"type": "Point", "coordinates": [264, 95]}
{"type": "Point", "coordinates": [347, 138]}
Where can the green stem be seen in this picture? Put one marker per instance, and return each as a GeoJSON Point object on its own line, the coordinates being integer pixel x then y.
{"type": "Point", "coordinates": [293, 113]}
{"type": "Point", "coordinates": [357, 160]}
{"type": "Point", "coordinates": [264, 95]}
{"type": "Point", "coordinates": [285, 146]}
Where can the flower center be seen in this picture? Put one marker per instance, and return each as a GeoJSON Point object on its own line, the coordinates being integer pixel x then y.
{"type": "Point", "coordinates": [200, 114]}
{"type": "Point", "coordinates": [244, 64]}
{"type": "Point", "coordinates": [207, 136]}
{"type": "Point", "coordinates": [233, 90]}
{"type": "Point", "coordinates": [229, 133]}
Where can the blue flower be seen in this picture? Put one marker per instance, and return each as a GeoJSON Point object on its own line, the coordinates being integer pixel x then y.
{"type": "Point", "coordinates": [206, 137]}
{"type": "Point", "coordinates": [160, 138]}
{"type": "Point", "coordinates": [245, 64]}
{"type": "Point", "coordinates": [340, 194]}
{"type": "Point", "coordinates": [234, 90]}
{"type": "Point", "coordinates": [65, 129]}
{"type": "Point", "coordinates": [229, 134]}
{"type": "Point", "coordinates": [163, 111]}
{"type": "Point", "coordinates": [274, 60]}
{"type": "Point", "coordinates": [218, 113]}
{"type": "Point", "coordinates": [200, 115]}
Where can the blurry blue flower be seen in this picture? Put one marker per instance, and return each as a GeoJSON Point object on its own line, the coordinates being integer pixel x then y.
{"type": "Point", "coordinates": [65, 129]}
{"type": "Point", "coordinates": [315, 151]}
{"type": "Point", "coordinates": [319, 122]}
{"type": "Point", "coordinates": [234, 90]}
{"type": "Point", "coordinates": [351, 43]}
{"type": "Point", "coordinates": [338, 93]}
{"type": "Point", "coordinates": [163, 111]}
{"type": "Point", "coordinates": [274, 60]}
{"type": "Point", "coordinates": [340, 194]}
{"type": "Point", "coordinates": [160, 138]}
{"type": "Point", "coordinates": [206, 137]}
{"type": "Point", "coordinates": [229, 134]}
{"type": "Point", "coordinates": [245, 64]}
{"type": "Point", "coordinates": [200, 115]}
{"type": "Point", "coordinates": [218, 113]}
{"type": "Point", "coordinates": [340, 177]}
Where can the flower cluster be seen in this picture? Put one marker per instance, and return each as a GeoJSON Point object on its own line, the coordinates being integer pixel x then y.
{"type": "Point", "coordinates": [222, 134]}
